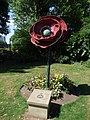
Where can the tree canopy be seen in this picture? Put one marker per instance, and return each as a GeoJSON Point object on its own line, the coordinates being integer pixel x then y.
{"type": "Point", "coordinates": [27, 11]}
{"type": "Point", "coordinates": [75, 14]}
{"type": "Point", "coordinates": [4, 16]}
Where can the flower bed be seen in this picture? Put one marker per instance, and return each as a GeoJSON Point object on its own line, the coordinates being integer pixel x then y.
{"type": "Point", "coordinates": [58, 84]}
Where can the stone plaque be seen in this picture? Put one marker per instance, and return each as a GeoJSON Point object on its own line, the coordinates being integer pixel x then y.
{"type": "Point", "coordinates": [39, 102]}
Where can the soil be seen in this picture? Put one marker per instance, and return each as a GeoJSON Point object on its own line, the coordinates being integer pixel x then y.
{"type": "Point", "coordinates": [55, 104]}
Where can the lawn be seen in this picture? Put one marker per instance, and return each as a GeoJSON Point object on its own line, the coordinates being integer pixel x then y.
{"type": "Point", "coordinates": [12, 77]}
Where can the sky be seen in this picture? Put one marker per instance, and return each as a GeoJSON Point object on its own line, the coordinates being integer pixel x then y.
{"type": "Point", "coordinates": [11, 27]}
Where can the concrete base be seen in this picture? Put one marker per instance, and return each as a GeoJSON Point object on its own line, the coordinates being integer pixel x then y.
{"type": "Point", "coordinates": [39, 102]}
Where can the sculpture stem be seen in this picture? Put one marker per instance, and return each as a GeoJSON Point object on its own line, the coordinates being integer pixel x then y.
{"type": "Point", "coordinates": [48, 66]}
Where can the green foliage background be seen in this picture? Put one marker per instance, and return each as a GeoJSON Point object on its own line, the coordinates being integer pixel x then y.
{"type": "Point", "coordinates": [76, 15]}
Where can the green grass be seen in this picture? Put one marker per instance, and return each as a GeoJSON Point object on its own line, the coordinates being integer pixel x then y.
{"type": "Point", "coordinates": [74, 111]}
{"type": "Point", "coordinates": [12, 77]}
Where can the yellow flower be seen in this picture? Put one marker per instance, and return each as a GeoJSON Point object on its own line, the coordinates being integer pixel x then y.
{"type": "Point", "coordinates": [56, 76]}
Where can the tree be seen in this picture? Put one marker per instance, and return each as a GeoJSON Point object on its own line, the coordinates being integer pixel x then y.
{"type": "Point", "coordinates": [28, 11]}
{"type": "Point", "coordinates": [4, 16]}
{"type": "Point", "coordinates": [3, 43]}
{"type": "Point", "coordinates": [78, 46]}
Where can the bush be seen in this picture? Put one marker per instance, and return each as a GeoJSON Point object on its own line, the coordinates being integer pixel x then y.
{"type": "Point", "coordinates": [87, 63]}
{"type": "Point", "coordinates": [78, 46]}
{"type": "Point", "coordinates": [63, 59]}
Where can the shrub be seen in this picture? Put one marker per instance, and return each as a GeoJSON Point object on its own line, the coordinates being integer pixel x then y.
{"type": "Point", "coordinates": [63, 59]}
{"type": "Point", "coordinates": [87, 63]}
{"type": "Point", "coordinates": [78, 46]}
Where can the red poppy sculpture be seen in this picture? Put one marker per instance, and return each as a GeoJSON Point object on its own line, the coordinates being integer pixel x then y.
{"type": "Point", "coordinates": [47, 31]}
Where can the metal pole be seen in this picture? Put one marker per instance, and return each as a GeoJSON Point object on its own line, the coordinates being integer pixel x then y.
{"type": "Point", "coordinates": [48, 66]}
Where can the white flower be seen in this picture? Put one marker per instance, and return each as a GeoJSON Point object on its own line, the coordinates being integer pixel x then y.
{"type": "Point", "coordinates": [60, 84]}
